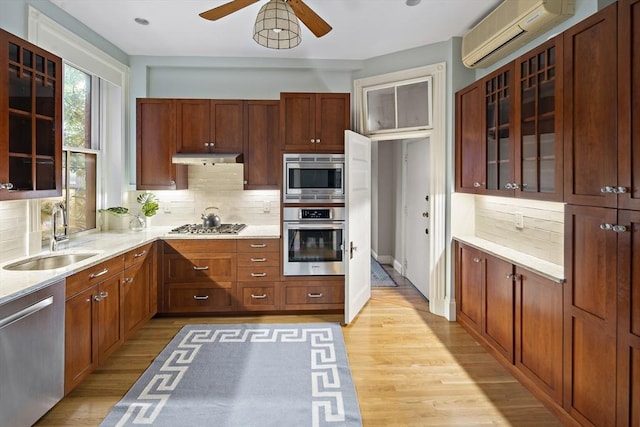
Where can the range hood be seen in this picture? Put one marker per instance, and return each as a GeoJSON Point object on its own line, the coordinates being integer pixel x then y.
{"type": "Point", "coordinates": [205, 158]}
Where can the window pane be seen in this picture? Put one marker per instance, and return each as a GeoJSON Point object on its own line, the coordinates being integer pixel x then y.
{"type": "Point", "coordinates": [413, 105]}
{"type": "Point", "coordinates": [80, 191]}
{"type": "Point", "coordinates": [76, 130]}
{"type": "Point", "coordinates": [381, 109]}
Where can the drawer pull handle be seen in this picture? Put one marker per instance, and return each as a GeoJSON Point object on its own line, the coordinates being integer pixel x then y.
{"type": "Point", "coordinates": [258, 245]}
{"type": "Point", "coordinates": [195, 267]}
{"type": "Point", "coordinates": [318, 295]}
{"type": "Point", "coordinates": [99, 273]}
{"type": "Point", "coordinates": [201, 297]}
{"type": "Point", "coordinates": [258, 260]}
{"type": "Point", "coordinates": [258, 274]}
{"type": "Point", "coordinates": [128, 280]}
{"type": "Point", "coordinates": [263, 296]}
{"type": "Point", "coordinates": [138, 255]}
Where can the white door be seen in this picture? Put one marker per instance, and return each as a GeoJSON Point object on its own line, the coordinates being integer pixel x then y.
{"type": "Point", "coordinates": [417, 214]}
{"type": "Point", "coordinates": [358, 225]}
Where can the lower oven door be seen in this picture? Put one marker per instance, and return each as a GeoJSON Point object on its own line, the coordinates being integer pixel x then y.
{"type": "Point", "coordinates": [313, 249]}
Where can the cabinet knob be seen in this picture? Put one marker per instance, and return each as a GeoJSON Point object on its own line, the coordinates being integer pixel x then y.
{"type": "Point", "coordinates": [606, 226]}
{"type": "Point", "coordinates": [620, 190]}
{"type": "Point", "coordinates": [317, 140]}
{"type": "Point", "coordinates": [313, 141]}
{"type": "Point", "coordinates": [6, 186]}
{"type": "Point", "coordinates": [476, 184]}
{"type": "Point", "coordinates": [476, 259]}
{"type": "Point", "coordinates": [619, 228]}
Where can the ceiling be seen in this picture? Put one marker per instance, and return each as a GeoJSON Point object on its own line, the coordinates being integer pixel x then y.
{"type": "Point", "coordinates": [362, 29]}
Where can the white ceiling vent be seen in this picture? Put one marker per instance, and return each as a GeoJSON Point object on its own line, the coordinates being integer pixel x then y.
{"type": "Point", "coordinates": [511, 25]}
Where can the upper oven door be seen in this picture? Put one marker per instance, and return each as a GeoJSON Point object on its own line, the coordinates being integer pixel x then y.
{"type": "Point", "coordinates": [313, 181]}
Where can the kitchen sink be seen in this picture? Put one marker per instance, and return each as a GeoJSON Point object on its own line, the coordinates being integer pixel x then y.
{"type": "Point", "coordinates": [48, 262]}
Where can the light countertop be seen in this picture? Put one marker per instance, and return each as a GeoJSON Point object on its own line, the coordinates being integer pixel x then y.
{"type": "Point", "coordinates": [539, 266]}
{"type": "Point", "coordinates": [105, 245]}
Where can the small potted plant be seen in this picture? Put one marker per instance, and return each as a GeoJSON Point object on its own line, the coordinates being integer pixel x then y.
{"type": "Point", "coordinates": [148, 208]}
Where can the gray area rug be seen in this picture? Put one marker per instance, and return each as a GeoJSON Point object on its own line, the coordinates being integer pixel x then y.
{"type": "Point", "coordinates": [245, 375]}
{"type": "Point", "coordinates": [379, 277]}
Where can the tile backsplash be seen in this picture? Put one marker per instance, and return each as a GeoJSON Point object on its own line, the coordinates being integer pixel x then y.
{"type": "Point", "coordinates": [13, 229]}
{"type": "Point", "coordinates": [220, 186]}
{"type": "Point", "coordinates": [542, 234]}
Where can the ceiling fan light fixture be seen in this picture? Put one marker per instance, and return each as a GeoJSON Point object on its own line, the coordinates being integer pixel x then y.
{"type": "Point", "coordinates": [277, 26]}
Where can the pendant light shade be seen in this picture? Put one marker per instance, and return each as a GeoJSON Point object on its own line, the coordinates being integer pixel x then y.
{"type": "Point", "coordinates": [277, 26]}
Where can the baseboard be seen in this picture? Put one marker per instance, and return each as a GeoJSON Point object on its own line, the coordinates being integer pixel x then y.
{"type": "Point", "coordinates": [397, 266]}
{"type": "Point", "coordinates": [384, 259]}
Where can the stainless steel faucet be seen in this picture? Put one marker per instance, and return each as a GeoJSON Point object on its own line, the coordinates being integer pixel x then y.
{"type": "Point", "coordinates": [56, 237]}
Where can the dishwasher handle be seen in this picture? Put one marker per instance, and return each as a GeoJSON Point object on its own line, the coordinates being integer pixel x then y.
{"type": "Point", "coordinates": [25, 312]}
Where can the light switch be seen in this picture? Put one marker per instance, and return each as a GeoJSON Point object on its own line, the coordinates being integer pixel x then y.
{"type": "Point", "coordinates": [519, 220]}
{"type": "Point", "coordinates": [266, 206]}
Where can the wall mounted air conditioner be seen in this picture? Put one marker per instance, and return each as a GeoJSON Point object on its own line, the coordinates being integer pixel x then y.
{"type": "Point", "coordinates": [510, 26]}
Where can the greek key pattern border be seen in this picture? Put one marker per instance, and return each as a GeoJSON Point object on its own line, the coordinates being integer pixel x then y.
{"type": "Point", "coordinates": [327, 400]}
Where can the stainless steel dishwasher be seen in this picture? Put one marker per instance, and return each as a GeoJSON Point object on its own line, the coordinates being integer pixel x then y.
{"type": "Point", "coordinates": [31, 355]}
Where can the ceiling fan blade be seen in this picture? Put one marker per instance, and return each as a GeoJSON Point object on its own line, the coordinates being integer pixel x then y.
{"type": "Point", "coordinates": [317, 25]}
{"type": "Point", "coordinates": [226, 9]}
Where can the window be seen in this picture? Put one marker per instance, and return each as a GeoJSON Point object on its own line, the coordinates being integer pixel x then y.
{"type": "Point", "coordinates": [80, 152]}
{"type": "Point", "coordinates": [398, 106]}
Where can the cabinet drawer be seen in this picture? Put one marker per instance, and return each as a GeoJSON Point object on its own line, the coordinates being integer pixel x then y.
{"type": "Point", "coordinates": [259, 260]}
{"type": "Point", "coordinates": [256, 298]}
{"type": "Point", "coordinates": [200, 299]}
{"type": "Point", "coordinates": [314, 296]}
{"type": "Point", "coordinates": [259, 245]}
{"type": "Point", "coordinates": [199, 246]}
{"type": "Point", "coordinates": [258, 272]}
{"type": "Point", "coordinates": [138, 254]}
{"type": "Point", "coordinates": [92, 275]}
{"type": "Point", "coordinates": [199, 269]}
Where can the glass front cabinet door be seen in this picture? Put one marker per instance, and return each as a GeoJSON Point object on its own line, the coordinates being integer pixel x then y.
{"type": "Point", "coordinates": [539, 127]}
{"type": "Point", "coordinates": [30, 120]}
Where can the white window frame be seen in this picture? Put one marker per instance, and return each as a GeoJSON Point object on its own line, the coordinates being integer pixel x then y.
{"type": "Point", "coordinates": [112, 170]}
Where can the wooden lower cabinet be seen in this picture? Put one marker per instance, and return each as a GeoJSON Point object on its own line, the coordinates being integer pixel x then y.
{"type": "Point", "coordinates": [590, 315]}
{"type": "Point", "coordinates": [318, 294]}
{"type": "Point", "coordinates": [259, 275]}
{"type": "Point", "coordinates": [517, 315]}
{"type": "Point", "coordinates": [498, 306]}
{"type": "Point", "coordinates": [199, 276]}
{"type": "Point", "coordinates": [470, 269]}
{"type": "Point", "coordinates": [538, 331]}
{"type": "Point", "coordinates": [93, 324]}
{"type": "Point", "coordinates": [139, 288]}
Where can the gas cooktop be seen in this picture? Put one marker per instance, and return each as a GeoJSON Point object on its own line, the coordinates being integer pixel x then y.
{"type": "Point", "coordinates": [200, 229]}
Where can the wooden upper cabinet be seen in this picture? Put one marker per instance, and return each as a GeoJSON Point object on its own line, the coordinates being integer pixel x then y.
{"type": "Point", "coordinates": [262, 160]}
{"type": "Point", "coordinates": [210, 125]}
{"type": "Point", "coordinates": [314, 121]}
{"type": "Point", "coordinates": [498, 137]}
{"type": "Point", "coordinates": [470, 171]}
{"type": "Point", "coordinates": [155, 146]}
{"type": "Point", "coordinates": [629, 103]}
{"type": "Point", "coordinates": [30, 120]}
{"type": "Point", "coordinates": [590, 110]}
{"type": "Point", "coordinates": [538, 122]}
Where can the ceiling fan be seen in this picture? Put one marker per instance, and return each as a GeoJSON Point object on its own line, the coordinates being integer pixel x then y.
{"type": "Point", "coordinates": [304, 13]}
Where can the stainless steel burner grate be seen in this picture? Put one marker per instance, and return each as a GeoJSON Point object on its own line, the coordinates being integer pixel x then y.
{"type": "Point", "coordinates": [199, 229]}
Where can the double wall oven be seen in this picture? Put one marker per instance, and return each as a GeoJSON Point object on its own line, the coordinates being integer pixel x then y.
{"type": "Point", "coordinates": [313, 214]}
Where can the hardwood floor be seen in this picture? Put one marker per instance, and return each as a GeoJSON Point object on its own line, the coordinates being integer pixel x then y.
{"type": "Point", "coordinates": [410, 368]}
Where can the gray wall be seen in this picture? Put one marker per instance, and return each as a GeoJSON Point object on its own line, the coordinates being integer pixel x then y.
{"type": "Point", "coordinates": [13, 18]}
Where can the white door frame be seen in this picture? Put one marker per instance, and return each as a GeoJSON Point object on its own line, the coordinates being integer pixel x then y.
{"type": "Point", "coordinates": [440, 289]}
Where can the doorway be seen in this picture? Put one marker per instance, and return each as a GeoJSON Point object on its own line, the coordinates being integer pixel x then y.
{"type": "Point", "coordinates": [401, 184]}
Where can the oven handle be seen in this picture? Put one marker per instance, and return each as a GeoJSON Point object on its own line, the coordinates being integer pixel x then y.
{"type": "Point", "coordinates": [334, 225]}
